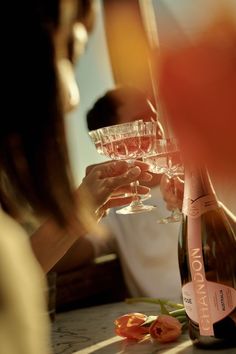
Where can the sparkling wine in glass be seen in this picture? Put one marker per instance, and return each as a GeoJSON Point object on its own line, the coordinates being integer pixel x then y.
{"type": "Point", "coordinates": [130, 141]}
{"type": "Point", "coordinates": [96, 139]}
{"type": "Point", "coordinates": [167, 160]}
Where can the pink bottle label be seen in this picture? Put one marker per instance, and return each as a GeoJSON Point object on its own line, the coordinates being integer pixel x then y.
{"type": "Point", "coordinates": [195, 208]}
{"type": "Point", "coordinates": [198, 278]}
{"type": "Point", "coordinates": [199, 198]}
{"type": "Point", "coordinates": [206, 302]}
{"type": "Point", "coordinates": [222, 301]}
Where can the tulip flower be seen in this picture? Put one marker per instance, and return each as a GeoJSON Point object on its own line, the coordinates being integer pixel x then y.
{"type": "Point", "coordinates": [129, 326]}
{"type": "Point", "coordinates": [165, 329]}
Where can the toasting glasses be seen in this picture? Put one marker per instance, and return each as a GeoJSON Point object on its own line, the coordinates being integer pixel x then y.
{"type": "Point", "coordinates": [129, 141]}
{"type": "Point", "coordinates": [167, 160]}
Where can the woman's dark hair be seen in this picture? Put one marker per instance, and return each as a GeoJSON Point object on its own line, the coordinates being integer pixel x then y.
{"type": "Point", "coordinates": [33, 156]}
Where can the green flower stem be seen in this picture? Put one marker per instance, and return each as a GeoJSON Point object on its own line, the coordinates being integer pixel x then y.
{"type": "Point", "coordinates": [174, 304]}
{"type": "Point", "coordinates": [177, 313]}
{"type": "Point", "coordinates": [154, 301]}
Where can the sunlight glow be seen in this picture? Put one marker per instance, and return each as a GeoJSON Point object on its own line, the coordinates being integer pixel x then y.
{"type": "Point", "coordinates": [99, 345]}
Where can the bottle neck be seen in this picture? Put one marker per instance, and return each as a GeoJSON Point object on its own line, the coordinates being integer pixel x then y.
{"type": "Point", "coordinates": [199, 194]}
{"type": "Point", "coordinates": [197, 183]}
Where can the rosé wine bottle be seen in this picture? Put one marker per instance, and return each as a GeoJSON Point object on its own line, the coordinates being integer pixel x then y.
{"type": "Point", "coordinates": [207, 260]}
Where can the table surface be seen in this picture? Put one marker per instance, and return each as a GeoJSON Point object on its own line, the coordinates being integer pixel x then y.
{"type": "Point", "coordinates": [91, 330]}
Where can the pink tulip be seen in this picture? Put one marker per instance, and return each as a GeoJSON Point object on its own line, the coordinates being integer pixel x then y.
{"type": "Point", "coordinates": [129, 326]}
{"type": "Point", "coordinates": [165, 329]}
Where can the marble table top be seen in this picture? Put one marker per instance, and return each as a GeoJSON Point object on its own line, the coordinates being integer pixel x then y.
{"type": "Point", "coordinates": [91, 330]}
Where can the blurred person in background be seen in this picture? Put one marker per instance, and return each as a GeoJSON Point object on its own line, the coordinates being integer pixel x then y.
{"type": "Point", "coordinates": [35, 179]}
{"type": "Point", "coordinates": [147, 250]}
{"type": "Point", "coordinates": [123, 104]}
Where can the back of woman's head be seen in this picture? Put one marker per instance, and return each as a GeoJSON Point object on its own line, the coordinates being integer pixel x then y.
{"type": "Point", "coordinates": [33, 155]}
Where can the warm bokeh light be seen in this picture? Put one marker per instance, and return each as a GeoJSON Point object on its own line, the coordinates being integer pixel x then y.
{"type": "Point", "coordinates": [127, 44]}
{"type": "Point", "coordinates": [198, 88]}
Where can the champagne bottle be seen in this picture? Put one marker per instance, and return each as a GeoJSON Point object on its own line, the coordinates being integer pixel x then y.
{"type": "Point", "coordinates": [207, 260]}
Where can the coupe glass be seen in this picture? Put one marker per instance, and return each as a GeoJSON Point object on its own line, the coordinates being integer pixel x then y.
{"type": "Point", "coordinates": [96, 139]}
{"type": "Point", "coordinates": [130, 141]}
{"type": "Point", "coordinates": [167, 160]}
{"type": "Point", "coordinates": [95, 136]}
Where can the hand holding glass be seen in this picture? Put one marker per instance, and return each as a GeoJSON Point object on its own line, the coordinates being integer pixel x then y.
{"type": "Point", "coordinates": [129, 141]}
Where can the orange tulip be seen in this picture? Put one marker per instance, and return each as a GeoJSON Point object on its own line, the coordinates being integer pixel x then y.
{"type": "Point", "coordinates": [129, 326]}
{"type": "Point", "coordinates": [165, 329]}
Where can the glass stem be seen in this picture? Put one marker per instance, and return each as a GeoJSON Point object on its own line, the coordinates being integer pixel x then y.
{"type": "Point", "coordinates": [175, 213]}
{"type": "Point", "coordinates": [135, 196]}
{"type": "Point", "coordinates": [134, 189]}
